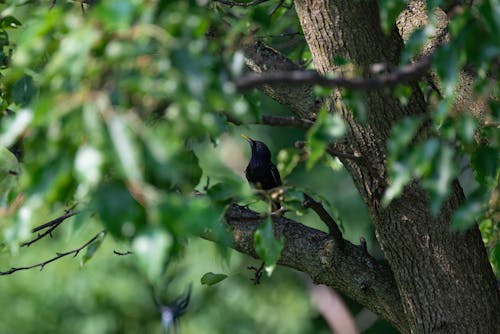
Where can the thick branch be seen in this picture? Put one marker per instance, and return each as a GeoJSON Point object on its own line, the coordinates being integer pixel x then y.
{"type": "Point", "coordinates": [314, 253]}
{"type": "Point", "coordinates": [299, 98]}
{"type": "Point", "coordinates": [405, 74]}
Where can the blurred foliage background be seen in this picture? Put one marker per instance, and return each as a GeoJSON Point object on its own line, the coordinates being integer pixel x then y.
{"type": "Point", "coordinates": [122, 110]}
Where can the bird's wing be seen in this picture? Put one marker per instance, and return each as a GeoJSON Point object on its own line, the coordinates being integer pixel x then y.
{"type": "Point", "coordinates": [276, 175]}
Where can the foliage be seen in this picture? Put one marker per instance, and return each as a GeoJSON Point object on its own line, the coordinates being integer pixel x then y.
{"type": "Point", "coordinates": [122, 111]}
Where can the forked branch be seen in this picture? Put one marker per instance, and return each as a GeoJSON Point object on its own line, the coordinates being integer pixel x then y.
{"type": "Point", "coordinates": [55, 258]}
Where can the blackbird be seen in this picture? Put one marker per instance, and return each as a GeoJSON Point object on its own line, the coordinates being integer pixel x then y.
{"type": "Point", "coordinates": [261, 172]}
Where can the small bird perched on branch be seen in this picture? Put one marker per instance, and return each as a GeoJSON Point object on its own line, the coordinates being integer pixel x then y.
{"type": "Point", "coordinates": [261, 172]}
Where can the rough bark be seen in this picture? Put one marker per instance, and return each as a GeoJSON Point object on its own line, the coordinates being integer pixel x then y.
{"type": "Point", "coordinates": [351, 270]}
{"type": "Point", "coordinates": [415, 17]}
{"type": "Point", "coordinates": [456, 292]}
{"type": "Point", "coordinates": [262, 58]}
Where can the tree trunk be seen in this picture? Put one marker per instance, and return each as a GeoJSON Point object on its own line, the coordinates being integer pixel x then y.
{"type": "Point", "coordinates": [444, 279]}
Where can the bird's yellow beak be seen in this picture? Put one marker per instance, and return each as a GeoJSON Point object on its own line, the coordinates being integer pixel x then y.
{"type": "Point", "coordinates": [248, 139]}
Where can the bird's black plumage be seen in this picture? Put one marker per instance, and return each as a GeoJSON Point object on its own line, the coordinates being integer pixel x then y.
{"type": "Point", "coordinates": [261, 172]}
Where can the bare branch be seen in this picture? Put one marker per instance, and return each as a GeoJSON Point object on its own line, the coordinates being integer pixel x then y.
{"type": "Point", "coordinates": [57, 221]}
{"type": "Point", "coordinates": [333, 228]}
{"type": "Point", "coordinates": [240, 4]}
{"type": "Point", "coordinates": [332, 151]}
{"type": "Point", "coordinates": [405, 74]}
{"type": "Point", "coordinates": [271, 120]}
{"type": "Point", "coordinates": [296, 122]}
{"type": "Point", "coordinates": [51, 226]}
{"type": "Point", "coordinates": [122, 253]}
{"type": "Point", "coordinates": [55, 258]}
{"type": "Point", "coordinates": [257, 273]}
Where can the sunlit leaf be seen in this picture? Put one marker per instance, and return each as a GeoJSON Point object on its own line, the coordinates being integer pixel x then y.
{"type": "Point", "coordinates": [439, 182]}
{"type": "Point", "coordinates": [288, 159]}
{"type": "Point", "coordinates": [9, 21]}
{"type": "Point", "coordinates": [9, 172]}
{"type": "Point", "coordinates": [212, 279]}
{"type": "Point", "coordinates": [152, 250]}
{"type": "Point", "coordinates": [88, 162]}
{"type": "Point", "coordinates": [126, 148]}
{"type": "Point", "coordinates": [13, 127]}
{"type": "Point", "coordinates": [327, 128]}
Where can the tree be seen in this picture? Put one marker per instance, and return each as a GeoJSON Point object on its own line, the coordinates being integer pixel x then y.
{"type": "Point", "coordinates": [112, 106]}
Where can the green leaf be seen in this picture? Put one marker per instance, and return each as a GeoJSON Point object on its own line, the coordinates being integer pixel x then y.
{"type": "Point", "coordinates": [88, 164]}
{"type": "Point", "coordinates": [402, 134]}
{"type": "Point", "coordinates": [447, 62]}
{"type": "Point", "coordinates": [400, 162]}
{"type": "Point", "coordinates": [119, 211]}
{"type": "Point", "coordinates": [327, 128]}
{"type": "Point", "coordinates": [126, 147]}
{"type": "Point", "coordinates": [485, 162]}
{"type": "Point", "coordinates": [267, 246]}
{"type": "Point", "coordinates": [9, 170]}
{"type": "Point", "coordinates": [293, 201]}
{"type": "Point", "coordinates": [192, 216]}
{"type": "Point", "coordinates": [92, 248]}
{"type": "Point", "coordinates": [212, 279]}
{"type": "Point", "coordinates": [288, 159]}
{"type": "Point", "coordinates": [439, 182]}
{"type": "Point", "coordinates": [468, 214]}
{"type": "Point", "coordinates": [356, 103]}
{"type": "Point", "coordinates": [13, 127]}
{"type": "Point", "coordinates": [229, 189]}
{"type": "Point", "coordinates": [115, 14]}
{"type": "Point", "coordinates": [152, 250]}
{"type": "Point", "coordinates": [24, 90]}
{"type": "Point", "coordinates": [389, 11]}
{"type": "Point", "coordinates": [9, 21]}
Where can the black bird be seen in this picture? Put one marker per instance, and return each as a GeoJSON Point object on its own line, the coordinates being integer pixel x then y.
{"type": "Point", "coordinates": [261, 172]}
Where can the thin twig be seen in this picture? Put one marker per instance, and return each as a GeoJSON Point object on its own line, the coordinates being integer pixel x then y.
{"type": "Point", "coordinates": [57, 221]}
{"type": "Point", "coordinates": [57, 257]}
{"type": "Point", "coordinates": [51, 226]}
{"type": "Point", "coordinates": [271, 120]}
{"type": "Point", "coordinates": [257, 273]}
{"type": "Point", "coordinates": [339, 154]}
{"type": "Point", "coordinates": [296, 122]}
{"type": "Point", "coordinates": [277, 7]}
{"type": "Point", "coordinates": [240, 4]}
{"type": "Point", "coordinates": [333, 228]}
{"type": "Point", "coordinates": [122, 253]}
{"type": "Point", "coordinates": [370, 261]}
{"type": "Point", "coordinates": [302, 144]}
{"type": "Point", "coordinates": [405, 74]}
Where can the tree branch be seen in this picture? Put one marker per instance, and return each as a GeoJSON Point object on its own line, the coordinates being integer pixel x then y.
{"type": "Point", "coordinates": [333, 228]}
{"type": "Point", "coordinates": [314, 253]}
{"type": "Point", "coordinates": [405, 74]}
{"type": "Point", "coordinates": [51, 225]}
{"type": "Point", "coordinates": [299, 99]}
{"type": "Point", "coordinates": [240, 4]}
{"type": "Point", "coordinates": [332, 151]}
{"type": "Point", "coordinates": [271, 120]}
{"type": "Point", "coordinates": [55, 258]}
